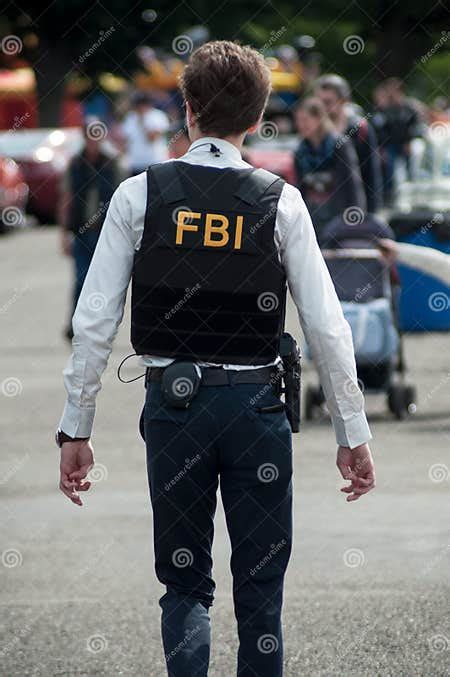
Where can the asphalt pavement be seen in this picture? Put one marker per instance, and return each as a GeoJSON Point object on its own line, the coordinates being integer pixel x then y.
{"type": "Point", "coordinates": [368, 588]}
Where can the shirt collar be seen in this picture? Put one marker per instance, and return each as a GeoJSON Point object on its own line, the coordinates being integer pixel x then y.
{"type": "Point", "coordinates": [229, 151]}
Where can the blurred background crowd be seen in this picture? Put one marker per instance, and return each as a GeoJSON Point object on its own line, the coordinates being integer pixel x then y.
{"type": "Point", "coordinates": [359, 122]}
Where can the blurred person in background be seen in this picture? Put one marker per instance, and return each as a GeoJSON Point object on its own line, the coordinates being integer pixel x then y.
{"type": "Point", "coordinates": [379, 121]}
{"type": "Point", "coordinates": [326, 166]}
{"type": "Point", "coordinates": [87, 186]}
{"type": "Point", "coordinates": [144, 130]}
{"type": "Point", "coordinates": [403, 124]}
{"type": "Point", "coordinates": [335, 94]}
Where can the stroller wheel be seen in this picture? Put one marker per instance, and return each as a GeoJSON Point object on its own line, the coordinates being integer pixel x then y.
{"type": "Point", "coordinates": [410, 399]}
{"type": "Point", "coordinates": [400, 399]}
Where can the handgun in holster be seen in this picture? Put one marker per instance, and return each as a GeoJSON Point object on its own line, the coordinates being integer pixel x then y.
{"type": "Point", "coordinates": [290, 356]}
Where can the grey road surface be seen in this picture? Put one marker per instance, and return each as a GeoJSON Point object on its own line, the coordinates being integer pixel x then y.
{"type": "Point", "coordinates": [368, 588]}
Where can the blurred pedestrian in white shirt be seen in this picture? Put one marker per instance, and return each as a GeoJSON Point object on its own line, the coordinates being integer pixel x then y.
{"type": "Point", "coordinates": [144, 129]}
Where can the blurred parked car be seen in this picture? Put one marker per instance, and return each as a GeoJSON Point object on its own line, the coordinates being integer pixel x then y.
{"type": "Point", "coordinates": [271, 151]}
{"type": "Point", "coordinates": [13, 195]}
{"type": "Point", "coordinates": [43, 156]}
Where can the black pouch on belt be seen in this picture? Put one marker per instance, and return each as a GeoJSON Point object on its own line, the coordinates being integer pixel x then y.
{"type": "Point", "coordinates": [180, 383]}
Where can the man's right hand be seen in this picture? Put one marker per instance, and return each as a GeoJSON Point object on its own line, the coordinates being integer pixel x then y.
{"type": "Point", "coordinates": [77, 459]}
{"type": "Point", "coordinates": [357, 466]}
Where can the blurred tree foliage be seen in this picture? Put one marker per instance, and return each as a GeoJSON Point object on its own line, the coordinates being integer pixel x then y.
{"type": "Point", "coordinates": [396, 37]}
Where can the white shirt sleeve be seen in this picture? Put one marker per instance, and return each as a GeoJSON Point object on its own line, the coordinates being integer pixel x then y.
{"type": "Point", "coordinates": [326, 330]}
{"type": "Point", "coordinates": [98, 315]}
{"type": "Point", "coordinates": [426, 259]}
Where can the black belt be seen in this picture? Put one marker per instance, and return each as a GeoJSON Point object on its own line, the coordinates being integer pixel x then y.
{"type": "Point", "coordinates": [217, 376]}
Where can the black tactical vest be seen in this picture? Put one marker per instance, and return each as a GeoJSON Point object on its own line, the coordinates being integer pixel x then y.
{"type": "Point", "coordinates": [207, 283]}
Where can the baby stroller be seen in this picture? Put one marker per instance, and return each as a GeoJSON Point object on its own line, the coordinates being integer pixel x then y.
{"type": "Point", "coordinates": [368, 297]}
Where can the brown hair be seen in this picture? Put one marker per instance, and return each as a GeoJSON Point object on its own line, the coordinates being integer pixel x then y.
{"type": "Point", "coordinates": [314, 107]}
{"type": "Point", "coordinates": [227, 86]}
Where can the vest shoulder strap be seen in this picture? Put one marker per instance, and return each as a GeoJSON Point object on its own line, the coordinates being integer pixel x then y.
{"type": "Point", "coordinates": [165, 175]}
{"type": "Point", "coordinates": [255, 185]}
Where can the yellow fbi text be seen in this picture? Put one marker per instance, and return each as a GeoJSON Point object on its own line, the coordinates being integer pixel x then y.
{"type": "Point", "coordinates": [217, 229]}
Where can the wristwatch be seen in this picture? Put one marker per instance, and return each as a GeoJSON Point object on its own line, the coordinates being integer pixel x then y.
{"type": "Point", "coordinates": [61, 437]}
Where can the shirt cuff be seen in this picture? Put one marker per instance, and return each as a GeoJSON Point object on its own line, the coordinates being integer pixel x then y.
{"type": "Point", "coordinates": [77, 422]}
{"type": "Point", "coordinates": [353, 432]}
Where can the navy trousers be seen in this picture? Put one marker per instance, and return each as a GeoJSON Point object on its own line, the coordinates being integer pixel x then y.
{"type": "Point", "coordinates": [223, 439]}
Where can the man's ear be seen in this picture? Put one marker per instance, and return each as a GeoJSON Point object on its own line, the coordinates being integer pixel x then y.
{"type": "Point", "coordinates": [253, 128]}
{"type": "Point", "coordinates": [190, 117]}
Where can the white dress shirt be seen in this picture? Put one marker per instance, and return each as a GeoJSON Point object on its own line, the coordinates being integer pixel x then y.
{"type": "Point", "coordinates": [141, 151]}
{"type": "Point", "coordinates": [101, 303]}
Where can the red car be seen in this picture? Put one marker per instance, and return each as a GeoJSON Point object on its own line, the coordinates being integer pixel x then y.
{"type": "Point", "coordinates": [13, 195]}
{"type": "Point", "coordinates": [43, 156]}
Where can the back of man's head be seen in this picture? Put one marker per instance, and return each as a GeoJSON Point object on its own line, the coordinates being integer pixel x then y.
{"type": "Point", "coordinates": [226, 86]}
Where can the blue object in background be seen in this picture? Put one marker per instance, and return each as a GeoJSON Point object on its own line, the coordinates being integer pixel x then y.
{"type": "Point", "coordinates": [422, 300]}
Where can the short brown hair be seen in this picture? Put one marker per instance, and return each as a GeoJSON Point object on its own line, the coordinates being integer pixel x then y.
{"type": "Point", "coordinates": [227, 86]}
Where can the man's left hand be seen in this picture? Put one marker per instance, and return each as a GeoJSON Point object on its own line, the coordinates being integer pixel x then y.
{"type": "Point", "coordinates": [77, 459]}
